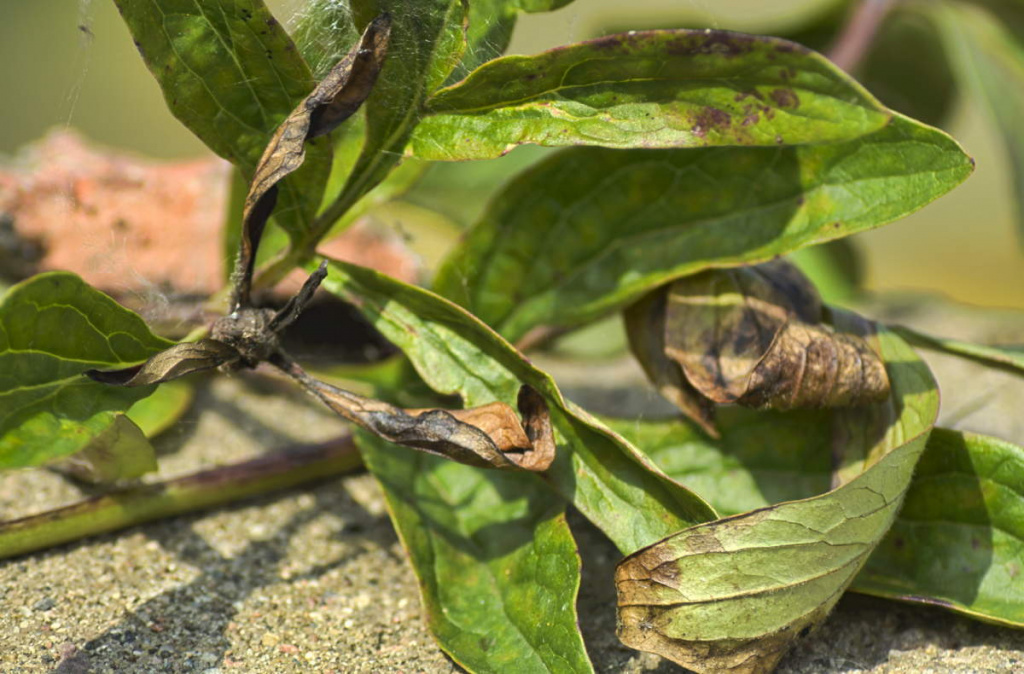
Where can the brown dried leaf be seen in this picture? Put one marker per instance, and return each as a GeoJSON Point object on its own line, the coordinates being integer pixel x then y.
{"type": "Point", "coordinates": [489, 436]}
{"type": "Point", "coordinates": [753, 336]}
{"type": "Point", "coordinates": [177, 361]}
{"type": "Point", "coordinates": [645, 326]}
{"type": "Point", "coordinates": [333, 101]}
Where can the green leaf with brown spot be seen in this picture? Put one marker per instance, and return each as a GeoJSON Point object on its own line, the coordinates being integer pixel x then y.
{"type": "Point", "coordinates": [53, 327]}
{"type": "Point", "coordinates": [957, 542]}
{"type": "Point", "coordinates": [231, 74]}
{"type": "Point", "coordinates": [653, 89]}
{"type": "Point", "coordinates": [590, 230]}
{"type": "Point", "coordinates": [734, 594]}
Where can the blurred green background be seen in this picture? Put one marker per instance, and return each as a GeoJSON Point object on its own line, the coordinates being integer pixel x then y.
{"type": "Point", "coordinates": [71, 63]}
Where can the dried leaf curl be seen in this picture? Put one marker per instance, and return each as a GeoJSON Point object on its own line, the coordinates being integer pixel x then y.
{"type": "Point", "coordinates": [489, 436]}
{"type": "Point", "coordinates": [334, 100]}
{"type": "Point", "coordinates": [751, 336]}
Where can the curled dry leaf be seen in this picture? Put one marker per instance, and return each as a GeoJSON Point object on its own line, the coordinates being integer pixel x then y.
{"type": "Point", "coordinates": [751, 336]}
{"type": "Point", "coordinates": [333, 101]}
{"type": "Point", "coordinates": [177, 361]}
{"type": "Point", "coordinates": [489, 436]}
{"type": "Point", "coordinates": [645, 324]}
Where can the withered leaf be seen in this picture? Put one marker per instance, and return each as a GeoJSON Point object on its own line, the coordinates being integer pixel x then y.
{"type": "Point", "coordinates": [652, 608]}
{"type": "Point", "coordinates": [645, 326]}
{"type": "Point", "coordinates": [753, 336]}
{"type": "Point", "coordinates": [489, 436]}
{"type": "Point", "coordinates": [333, 101]}
{"type": "Point", "coordinates": [177, 361]}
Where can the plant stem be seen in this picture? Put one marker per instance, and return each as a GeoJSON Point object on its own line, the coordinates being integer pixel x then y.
{"type": "Point", "coordinates": [856, 36]}
{"type": "Point", "coordinates": [206, 489]}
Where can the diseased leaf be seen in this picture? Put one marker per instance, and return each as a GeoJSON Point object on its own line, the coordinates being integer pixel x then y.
{"type": "Point", "coordinates": [1007, 358]}
{"type": "Point", "coordinates": [425, 46]}
{"type": "Point", "coordinates": [734, 594]}
{"type": "Point", "coordinates": [645, 329]}
{"type": "Point", "coordinates": [496, 563]}
{"type": "Point", "coordinates": [590, 230]}
{"type": "Point", "coordinates": [161, 410]}
{"type": "Point", "coordinates": [957, 541]}
{"type": "Point", "coordinates": [121, 452]}
{"type": "Point", "coordinates": [177, 361]}
{"type": "Point", "coordinates": [488, 436]}
{"type": "Point", "coordinates": [990, 64]}
{"type": "Point", "coordinates": [608, 480]}
{"type": "Point", "coordinates": [753, 336]}
{"type": "Point", "coordinates": [650, 89]}
{"type": "Point", "coordinates": [231, 74]}
{"type": "Point", "coordinates": [52, 328]}
{"type": "Point", "coordinates": [333, 101]}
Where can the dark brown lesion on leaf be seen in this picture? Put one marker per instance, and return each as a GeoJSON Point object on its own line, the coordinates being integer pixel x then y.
{"type": "Point", "coordinates": [752, 336]}
{"type": "Point", "coordinates": [716, 42]}
{"type": "Point", "coordinates": [785, 98]}
{"type": "Point", "coordinates": [710, 119]}
{"type": "Point", "coordinates": [490, 436]}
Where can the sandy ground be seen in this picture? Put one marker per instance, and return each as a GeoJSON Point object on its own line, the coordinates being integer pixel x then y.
{"type": "Point", "coordinates": [314, 580]}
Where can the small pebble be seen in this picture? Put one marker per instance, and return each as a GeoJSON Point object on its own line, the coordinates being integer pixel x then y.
{"type": "Point", "coordinates": [44, 604]}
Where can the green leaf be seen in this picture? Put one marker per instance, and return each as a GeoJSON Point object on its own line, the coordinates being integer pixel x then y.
{"type": "Point", "coordinates": [590, 230]}
{"type": "Point", "coordinates": [425, 47]}
{"type": "Point", "coordinates": [158, 412]}
{"type": "Point", "coordinates": [231, 74]}
{"type": "Point", "coordinates": [496, 562]}
{"type": "Point", "coordinates": [959, 539]}
{"type": "Point", "coordinates": [908, 68]}
{"type": "Point", "coordinates": [606, 478]}
{"type": "Point", "coordinates": [461, 190]}
{"type": "Point", "coordinates": [990, 64]}
{"type": "Point", "coordinates": [762, 457]}
{"type": "Point", "coordinates": [120, 452]}
{"type": "Point", "coordinates": [53, 327]}
{"type": "Point", "coordinates": [1008, 358]}
{"type": "Point", "coordinates": [653, 89]}
{"type": "Point", "coordinates": [835, 269]}
{"type": "Point", "coordinates": [490, 29]}
{"type": "Point", "coordinates": [742, 589]}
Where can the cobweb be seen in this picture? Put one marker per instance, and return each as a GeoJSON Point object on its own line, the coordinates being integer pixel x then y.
{"type": "Point", "coordinates": [83, 58]}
